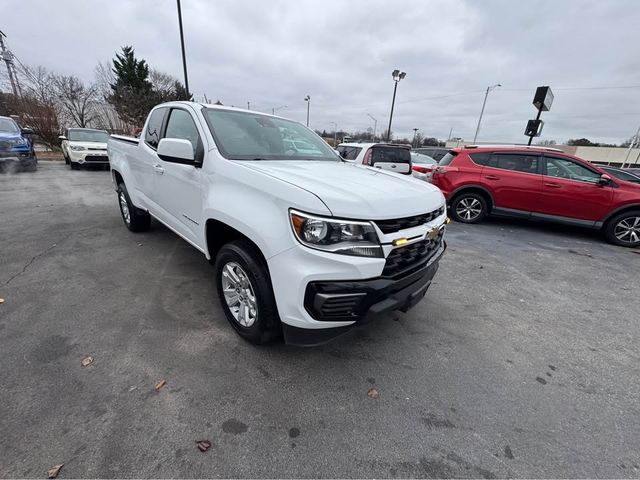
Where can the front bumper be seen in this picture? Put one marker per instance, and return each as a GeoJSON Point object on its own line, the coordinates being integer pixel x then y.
{"type": "Point", "coordinates": [335, 303]}
{"type": "Point", "coordinates": [93, 157]}
{"type": "Point", "coordinates": [12, 161]}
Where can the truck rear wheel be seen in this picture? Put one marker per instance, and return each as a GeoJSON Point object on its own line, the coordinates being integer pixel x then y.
{"type": "Point", "coordinates": [135, 219]}
{"type": "Point", "coordinates": [244, 289]}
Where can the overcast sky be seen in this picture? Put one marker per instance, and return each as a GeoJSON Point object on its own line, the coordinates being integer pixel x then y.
{"type": "Point", "coordinates": [274, 52]}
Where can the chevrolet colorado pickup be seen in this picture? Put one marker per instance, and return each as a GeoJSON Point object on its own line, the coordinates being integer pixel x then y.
{"type": "Point", "coordinates": [304, 244]}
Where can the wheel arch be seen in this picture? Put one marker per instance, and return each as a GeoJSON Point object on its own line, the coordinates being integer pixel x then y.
{"type": "Point", "coordinates": [219, 233]}
{"type": "Point", "coordinates": [473, 189]}
{"type": "Point", "coordinates": [618, 211]}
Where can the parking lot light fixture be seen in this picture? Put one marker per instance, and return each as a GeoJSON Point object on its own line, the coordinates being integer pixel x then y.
{"type": "Point", "coordinates": [308, 100]}
{"type": "Point", "coordinates": [397, 75]}
{"type": "Point", "coordinates": [486, 94]}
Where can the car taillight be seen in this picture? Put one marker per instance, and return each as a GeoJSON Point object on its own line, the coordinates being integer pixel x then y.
{"type": "Point", "coordinates": [444, 169]}
{"type": "Point", "coordinates": [421, 169]}
{"type": "Point", "coordinates": [367, 157]}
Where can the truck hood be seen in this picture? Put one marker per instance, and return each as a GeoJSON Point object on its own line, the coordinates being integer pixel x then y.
{"type": "Point", "coordinates": [351, 191]}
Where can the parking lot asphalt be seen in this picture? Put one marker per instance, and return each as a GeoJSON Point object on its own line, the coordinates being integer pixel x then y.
{"type": "Point", "coordinates": [523, 360]}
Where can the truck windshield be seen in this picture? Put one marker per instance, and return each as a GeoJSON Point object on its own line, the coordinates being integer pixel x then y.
{"type": "Point", "coordinates": [88, 136]}
{"type": "Point", "coordinates": [253, 136]}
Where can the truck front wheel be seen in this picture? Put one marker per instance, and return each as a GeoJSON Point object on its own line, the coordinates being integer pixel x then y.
{"type": "Point", "coordinates": [244, 289]}
{"type": "Point", "coordinates": [136, 220]}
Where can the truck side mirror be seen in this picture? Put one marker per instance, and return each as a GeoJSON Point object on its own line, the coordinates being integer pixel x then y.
{"type": "Point", "coordinates": [176, 150]}
{"type": "Point", "coordinates": [27, 131]}
{"type": "Point", "coordinates": [62, 137]}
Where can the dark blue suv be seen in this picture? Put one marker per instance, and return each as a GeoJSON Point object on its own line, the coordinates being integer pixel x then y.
{"type": "Point", "coordinates": [16, 149]}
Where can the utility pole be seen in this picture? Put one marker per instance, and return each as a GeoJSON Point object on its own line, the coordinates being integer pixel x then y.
{"type": "Point", "coordinates": [450, 133]}
{"type": "Point", "coordinates": [248, 105]}
{"type": "Point", "coordinates": [7, 56]}
{"type": "Point", "coordinates": [397, 75]}
{"type": "Point", "coordinates": [335, 134]}
{"type": "Point", "coordinates": [415, 132]}
{"type": "Point", "coordinates": [375, 126]}
{"type": "Point", "coordinates": [184, 58]}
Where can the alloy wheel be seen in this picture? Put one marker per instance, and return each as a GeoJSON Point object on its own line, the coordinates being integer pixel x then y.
{"type": "Point", "coordinates": [628, 230]}
{"type": "Point", "coordinates": [239, 294]}
{"type": "Point", "coordinates": [469, 208]}
{"type": "Point", "coordinates": [124, 208]}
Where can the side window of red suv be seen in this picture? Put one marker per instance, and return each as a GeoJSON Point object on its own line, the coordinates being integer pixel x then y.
{"type": "Point", "coordinates": [518, 162]}
{"type": "Point", "coordinates": [564, 168]}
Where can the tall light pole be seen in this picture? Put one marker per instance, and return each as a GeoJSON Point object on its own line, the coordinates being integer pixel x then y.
{"type": "Point", "coordinates": [308, 100]}
{"type": "Point", "coordinates": [275, 109]}
{"type": "Point", "coordinates": [397, 75]}
{"type": "Point", "coordinates": [415, 132]}
{"type": "Point", "coordinates": [335, 134]}
{"type": "Point", "coordinates": [184, 58]}
{"type": "Point", "coordinates": [486, 94]}
{"type": "Point", "coordinates": [375, 126]}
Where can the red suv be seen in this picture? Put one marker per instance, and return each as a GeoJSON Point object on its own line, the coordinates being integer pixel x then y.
{"type": "Point", "coordinates": [538, 183]}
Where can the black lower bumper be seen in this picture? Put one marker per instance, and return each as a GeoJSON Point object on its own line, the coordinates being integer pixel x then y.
{"type": "Point", "coordinates": [360, 300]}
{"type": "Point", "coordinates": [17, 163]}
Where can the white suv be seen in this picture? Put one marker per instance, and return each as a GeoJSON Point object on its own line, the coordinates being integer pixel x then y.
{"type": "Point", "coordinates": [82, 146]}
{"type": "Point", "coordinates": [386, 156]}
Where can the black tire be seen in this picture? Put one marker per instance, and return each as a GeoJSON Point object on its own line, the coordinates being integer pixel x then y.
{"type": "Point", "coordinates": [266, 325]}
{"type": "Point", "coordinates": [66, 158]}
{"type": "Point", "coordinates": [624, 229]}
{"type": "Point", "coordinates": [74, 165]}
{"type": "Point", "coordinates": [469, 208]}
{"type": "Point", "coordinates": [138, 220]}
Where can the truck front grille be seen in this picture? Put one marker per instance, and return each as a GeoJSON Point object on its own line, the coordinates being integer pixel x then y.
{"type": "Point", "coordinates": [390, 226]}
{"type": "Point", "coordinates": [404, 260]}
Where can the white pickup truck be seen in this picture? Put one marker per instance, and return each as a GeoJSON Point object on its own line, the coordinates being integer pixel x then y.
{"type": "Point", "coordinates": [304, 244]}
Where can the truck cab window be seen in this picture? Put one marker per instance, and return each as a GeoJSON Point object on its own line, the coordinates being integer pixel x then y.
{"type": "Point", "coordinates": [154, 125]}
{"type": "Point", "coordinates": [181, 125]}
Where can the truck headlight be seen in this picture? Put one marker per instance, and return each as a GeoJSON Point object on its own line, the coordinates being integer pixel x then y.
{"type": "Point", "coordinates": [76, 148]}
{"type": "Point", "coordinates": [346, 237]}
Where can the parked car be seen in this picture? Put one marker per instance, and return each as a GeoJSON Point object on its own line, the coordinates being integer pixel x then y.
{"type": "Point", "coordinates": [422, 166]}
{"type": "Point", "coordinates": [16, 148]}
{"type": "Point", "coordinates": [386, 156]}
{"type": "Point", "coordinates": [621, 174]}
{"type": "Point", "coordinates": [85, 146]}
{"type": "Point", "coordinates": [538, 183]}
{"type": "Point", "coordinates": [434, 152]}
{"type": "Point", "coordinates": [303, 243]}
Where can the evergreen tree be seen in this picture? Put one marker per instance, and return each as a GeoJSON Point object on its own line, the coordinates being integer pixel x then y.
{"type": "Point", "coordinates": [133, 95]}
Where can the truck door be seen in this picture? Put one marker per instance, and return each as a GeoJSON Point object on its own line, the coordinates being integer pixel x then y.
{"type": "Point", "coordinates": [177, 191]}
{"type": "Point", "coordinates": [141, 163]}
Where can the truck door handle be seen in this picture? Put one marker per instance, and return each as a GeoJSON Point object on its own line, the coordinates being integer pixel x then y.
{"type": "Point", "coordinates": [552, 185]}
{"type": "Point", "coordinates": [491, 177]}
{"type": "Point", "coordinates": [158, 169]}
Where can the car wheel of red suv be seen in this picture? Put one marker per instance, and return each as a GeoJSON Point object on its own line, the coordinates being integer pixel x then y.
{"type": "Point", "coordinates": [624, 229]}
{"type": "Point", "coordinates": [468, 208]}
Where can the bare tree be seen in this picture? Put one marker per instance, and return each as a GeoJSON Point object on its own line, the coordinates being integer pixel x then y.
{"type": "Point", "coordinates": [75, 99]}
{"type": "Point", "coordinates": [38, 105]}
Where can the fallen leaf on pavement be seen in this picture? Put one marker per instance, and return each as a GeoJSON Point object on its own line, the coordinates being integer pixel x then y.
{"type": "Point", "coordinates": [160, 384]}
{"type": "Point", "coordinates": [203, 445]}
{"type": "Point", "coordinates": [86, 361]}
{"type": "Point", "coordinates": [373, 393]}
{"type": "Point", "coordinates": [53, 471]}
